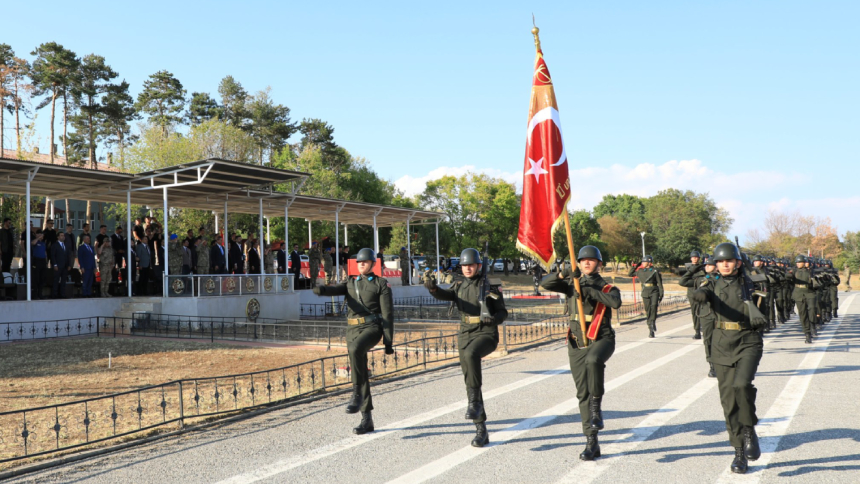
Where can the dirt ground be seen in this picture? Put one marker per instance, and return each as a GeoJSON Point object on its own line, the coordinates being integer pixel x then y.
{"type": "Point", "coordinates": [49, 372]}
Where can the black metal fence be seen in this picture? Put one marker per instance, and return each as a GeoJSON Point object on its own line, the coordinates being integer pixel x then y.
{"type": "Point", "coordinates": [44, 430]}
{"type": "Point", "coordinates": [61, 328]}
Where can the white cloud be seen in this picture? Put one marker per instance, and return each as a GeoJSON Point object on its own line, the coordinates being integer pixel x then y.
{"type": "Point", "coordinates": [746, 195]}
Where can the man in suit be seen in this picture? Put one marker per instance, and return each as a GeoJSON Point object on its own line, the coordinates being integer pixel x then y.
{"type": "Point", "coordinates": [143, 257]}
{"type": "Point", "coordinates": [117, 241]}
{"type": "Point", "coordinates": [217, 258]}
{"type": "Point", "coordinates": [7, 245]}
{"type": "Point", "coordinates": [296, 264]}
{"type": "Point", "coordinates": [236, 264]}
{"type": "Point", "coordinates": [186, 257]}
{"type": "Point", "coordinates": [282, 259]}
{"type": "Point", "coordinates": [87, 261]}
{"type": "Point", "coordinates": [71, 245]}
{"type": "Point", "coordinates": [60, 265]}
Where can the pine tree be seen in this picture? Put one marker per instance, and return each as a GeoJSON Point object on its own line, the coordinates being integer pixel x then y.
{"type": "Point", "coordinates": [92, 83]}
{"type": "Point", "coordinates": [163, 99]}
{"type": "Point", "coordinates": [52, 73]}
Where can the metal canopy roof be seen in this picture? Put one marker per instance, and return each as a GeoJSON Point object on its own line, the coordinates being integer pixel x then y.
{"type": "Point", "coordinates": [203, 185]}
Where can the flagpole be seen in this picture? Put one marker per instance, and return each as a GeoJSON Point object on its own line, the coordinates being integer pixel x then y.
{"type": "Point", "coordinates": [573, 264]}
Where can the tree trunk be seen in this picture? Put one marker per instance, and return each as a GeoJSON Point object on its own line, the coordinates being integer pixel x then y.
{"type": "Point", "coordinates": [65, 129]}
{"type": "Point", "coordinates": [119, 136]}
{"type": "Point", "coordinates": [68, 215]}
{"type": "Point", "coordinates": [53, 111]}
{"type": "Point", "coordinates": [17, 118]}
{"type": "Point", "coordinates": [92, 149]}
{"type": "Point", "coordinates": [48, 203]}
{"type": "Point", "coordinates": [89, 212]}
{"type": "Point", "coordinates": [2, 126]}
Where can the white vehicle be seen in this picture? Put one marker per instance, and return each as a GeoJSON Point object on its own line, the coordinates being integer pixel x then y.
{"type": "Point", "coordinates": [499, 265]}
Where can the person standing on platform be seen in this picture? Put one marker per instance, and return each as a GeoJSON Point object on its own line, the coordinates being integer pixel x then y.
{"type": "Point", "coordinates": [588, 362]}
{"type": "Point", "coordinates": [281, 257]}
{"type": "Point", "coordinates": [7, 245]}
{"type": "Point", "coordinates": [87, 262]}
{"type": "Point", "coordinates": [143, 259]}
{"type": "Point", "coordinates": [186, 257]}
{"type": "Point", "coordinates": [736, 351]}
{"type": "Point", "coordinates": [40, 261]}
{"type": "Point", "coordinates": [405, 267]}
{"type": "Point", "coordinates": [652, 290]}
{"type": "Point", "coordinates": [328, 266]}
{"type": "Point", "coordinates": [107, 263]}
{"type": "Point", "coordinates": [71, 245]}
{"type": "Point", "coordinates": [202, 255]}
{"type": "Point", "coordinates": [217, 259]}
{"type": "Point", "coordinates": [478, 335]}
{"type": "Point", "coordinates": [60, 267]}
{"type": "Point", "coordinates": [254, 259]}
{"type": "Point", "coordinates": [296, 267]}
{"type": "Point", "coordinates": [370, 318]}
{"type": "Point", "coordinates": [236, 256]}
{"type": "Point", "coordinates": [314, 261]}
{"type": "Point", "coordinates": [50, 236]}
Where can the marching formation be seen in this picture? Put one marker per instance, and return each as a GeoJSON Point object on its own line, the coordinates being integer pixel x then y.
{"type": "Point", "coordinates": [734, 300]}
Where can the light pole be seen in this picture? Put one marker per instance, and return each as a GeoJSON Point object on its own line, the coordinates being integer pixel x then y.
{"type": "Point", "coordinates": [643, 244]}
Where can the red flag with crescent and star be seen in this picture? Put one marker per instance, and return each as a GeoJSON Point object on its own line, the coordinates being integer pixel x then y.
{"type": "Point", "coordinates": [546, 183]}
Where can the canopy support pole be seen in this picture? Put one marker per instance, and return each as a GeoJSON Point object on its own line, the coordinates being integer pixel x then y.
{"type": "Point", "coordinates": [129, 236]}
{"type": "Point", "coordinates": [165, 245]}
{"type": "Point", "coordinates": [260, 243]}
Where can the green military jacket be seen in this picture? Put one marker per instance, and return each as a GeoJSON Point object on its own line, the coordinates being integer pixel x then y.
{"type": "Point", "coordinates": [203, 259]}
{"type": "Point", "coordinates": [363, 293]}
{"type": "Point", "coordinates": [315, 255]}
{"type": "Point", "coordinates": [327, 263]}
{"type": "Point", "coordinates": [592, 293]}
{"type": "Point", "coordinates": [724, 296]}
{"type": "Point", "coordinates": [650, 279]}
{"type": "Point", "coordinates": [802, 282]}
{"type": "Point", "coordinates": [466, 295]}
{"type": "Point", "coordinates": [694, 273]}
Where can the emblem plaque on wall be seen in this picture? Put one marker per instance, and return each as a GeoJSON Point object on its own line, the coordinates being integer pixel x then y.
{"type": "Point", "coordinates": [178, 286]}
{"type": "Point", "coordinates": [252, 310]}
{"type": "Point", "coordinates": [268, 283]}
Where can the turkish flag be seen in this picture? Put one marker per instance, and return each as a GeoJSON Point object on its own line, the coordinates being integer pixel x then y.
{"type": "Point", "coordinates": [546, 183]}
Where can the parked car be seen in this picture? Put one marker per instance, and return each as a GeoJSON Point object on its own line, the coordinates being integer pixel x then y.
{"type": "Point", "coordinates": [454, 262]}
{"type": "Point", "coordinates": [499, 265]}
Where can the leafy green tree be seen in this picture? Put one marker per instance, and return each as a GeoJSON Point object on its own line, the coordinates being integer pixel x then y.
{"type": "Point", "coordinates": [163, 99]}
{"type": "Point", "coordinates": [584, 230]}
{"type": "Point", "coordinates": [269, 124]}
{"type": "Point", "coordinates": [52, 72]}
{"type": "Point", "coordinates": [201, 107]}
{"type": "Point", "coordinates": [233, 99]}
{"type": "Point", "coordinates": [14, 74]}
{"type": "Point", "coordinates": [118, 112]}
{"type": "Point", "coordinates": [91, 84]}
{"type": "Point", "coordinates": [7, 56]}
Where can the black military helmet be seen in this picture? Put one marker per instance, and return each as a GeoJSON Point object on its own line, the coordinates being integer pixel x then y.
{"type": "Point", "coordinates": [365, 255]}
{"type": "Point", "coordinates": [758, 258]}
{"type": "Point", "coordinates": [648, 258]}
{"type": "Point", "coordinates": [589, 252]}
{"type": "Point", "coordinates": [726, 251]}
{"type": "Point", "coordinates": [695, 253]}
{"type": "Point", "coordinates": [709, 261]}
{"type": "Point", "coordinates": [800, 258]}
{"type": "Point", "coordinates": [470, 256]}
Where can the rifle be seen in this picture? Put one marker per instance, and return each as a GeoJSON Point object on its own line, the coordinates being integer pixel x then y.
{"type": "Point", "coordinates": [485, 282]}
{"type": "Point", "coordinates": [748, 284]}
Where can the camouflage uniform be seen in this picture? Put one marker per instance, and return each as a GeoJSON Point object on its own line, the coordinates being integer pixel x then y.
{"type": "Point", "coordinates": [174, 257]}
{"type": "Point", "coordinates": [106, 264]}
{"type": "Point", "coordinates": [270, 262]}
{"type": "Point", "coordinates": [314, 263]}
{"type": "Point", "coordinates": [328, 267]}
{"type": "Point", "coordinates": [203, 258]}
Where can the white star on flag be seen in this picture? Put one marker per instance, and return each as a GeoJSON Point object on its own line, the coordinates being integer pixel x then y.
{"type": "Point", "coordinates": [536, 169]}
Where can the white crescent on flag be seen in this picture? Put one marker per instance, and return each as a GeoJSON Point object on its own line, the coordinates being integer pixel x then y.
{"type": "Point", "coordinates": [545, 114]}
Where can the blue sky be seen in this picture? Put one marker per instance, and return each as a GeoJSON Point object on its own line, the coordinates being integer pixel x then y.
{"type": "Point", "coordinates": [754, 102]}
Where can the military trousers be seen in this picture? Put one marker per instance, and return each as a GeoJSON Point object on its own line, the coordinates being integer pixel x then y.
{"type": "Point", "coordinates": [587, 366]}
{"type": "Point", "coordinates": [806, 312]}
{"type": "Point", "coordinates": [314, 271]}
{"type": "Point", "coordinates": [834, 299]}
{"type": "Point", "coordinates": [697, 324]}
{"type": "Point", "coordinates": [737, 393]}
{"type": "Point", "coordinates": [404, 276]}
{"type": "Point", "coordinates": [779, 302]}
{"type": "Point", "coordinates": [359, 340]}
{"type": "Point", "coordinates": [707, 324]}
{"type": "Point", "coordinates": [470, 362]}
{"type": "Point", "coordinates": [651, 304]}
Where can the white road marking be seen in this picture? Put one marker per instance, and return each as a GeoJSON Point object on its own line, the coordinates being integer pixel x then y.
{"type": "Point", "coordinates": [775, 423]}
{"type": "Point", "coordinates": [355, 441]}
{"type": "Point", "coordinates": [458, 457]}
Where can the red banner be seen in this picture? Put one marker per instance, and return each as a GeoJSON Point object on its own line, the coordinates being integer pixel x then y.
{"type": "Point", "coordinates": [546, 184]}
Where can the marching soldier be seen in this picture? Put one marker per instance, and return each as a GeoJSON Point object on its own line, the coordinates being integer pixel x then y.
{"type": "Point", "coordinates": [834, 290]}
{"type": "Point", "coordinates": [735, 351]}
{"type": "Point", "coordinates": [537, 275]}
{"type": "Point", "coordinates": [328, 266]}
{"type": "Point", "coordinates": [695, 257]}
{"type": "Point", "coordinates": [652, 290]}
{"type": "Point", "coordinates": [588, 363]}
{"type": "Point", "coordinates": [694, 278]}
{"type": "Point", "coordinates": [314, 259]}
{"type": "Point", "coordinates": [803, 296]}
{"type": "Point", "coordinates": [370, 318]}
{"type": "Point", "coordinates": [478, 335]}
{"type": "Point", "coordinates": [763, 288]}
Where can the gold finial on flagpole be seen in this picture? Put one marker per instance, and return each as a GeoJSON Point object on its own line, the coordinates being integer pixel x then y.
{"type": "Point", "coordinates": [535, 31]}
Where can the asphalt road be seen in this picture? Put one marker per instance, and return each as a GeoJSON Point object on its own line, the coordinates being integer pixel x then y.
{"type": "Point", "coordinates": [663, 418]}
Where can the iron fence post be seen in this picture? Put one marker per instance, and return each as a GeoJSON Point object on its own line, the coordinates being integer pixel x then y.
{"type": "Point", "coordinates": [505, 335]}
{"type": "Point", "coordinates": [424, 349]}
{"type": "Point", "coordinates": [322, 371]}
{"type": "Point", "coordinates": [212, 330]}
{"type": "Point", "coordinates": [181, 408]}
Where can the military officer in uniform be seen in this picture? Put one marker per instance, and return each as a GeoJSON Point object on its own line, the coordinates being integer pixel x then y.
{"type": "Point", "coordinates": [736, 350]}
{"type": "Point", "coordinates": [695, 258]}
{"type": "Point", "coordinates": [695, 276]}
{"type": "Point", "coordinates": [314, 259]}
{"type": "Point", "coordinates": [652, 290]}
{"type": "Point", "coordinates": [405, 268]}
{"type": "Point", "coordinates": [478, 335]}
{"type": "Point", "coordinates": [328, 266]}
{"type": "Point", "coordinates": [370, 318]}
{"type": "Point", "coordinates": [803, 296]}
{"type": "Point", "coordinates": [834, 290]}
{"type": "Point", "coordinates": [588, 363]}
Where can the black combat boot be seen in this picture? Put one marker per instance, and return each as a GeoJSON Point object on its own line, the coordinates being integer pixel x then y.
{"type": "Point", "coordinates": [698, 334]}
{"type": "Point", "coordinates": [482, 438]}
{"type": "Point", "coordinates": [476, 404]}
{"type": "Point", "coordinates": [592, 448]}
{"type": "Point", "coordinates": [808, 339]}
{"type": "Point", "coordinates": [356, 401]}
{"type": "Point", "coordinates": [835, 313]}
{"type": "Point", "coordinates": [596, 414]}
{"type": "Point", "coordinates": [712, 373]}
{"type": "Point", "coordinates": [752, 451]}
{"type": "Point", "coordinates": [651, 330]}
{"type": "Point", "coordinates": [366, 424]}
{"type": "Point", "coordinates": [739, 465]}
